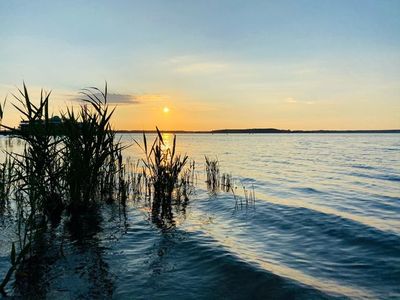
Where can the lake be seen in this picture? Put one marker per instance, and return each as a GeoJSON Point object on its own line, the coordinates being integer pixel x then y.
{"type": "Point", "coordinates": [325, 224]}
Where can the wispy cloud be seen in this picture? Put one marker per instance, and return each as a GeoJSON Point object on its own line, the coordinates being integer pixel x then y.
{"type": "Point", "coordinates": [122, 99]}
{"type": "Point", "coordinates": [113, 98]}
{"type": "Point", "coordinates": [292, 100]}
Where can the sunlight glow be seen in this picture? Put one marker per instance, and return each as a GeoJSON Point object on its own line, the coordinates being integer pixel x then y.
{"type": "Point", "coordinates": [168, 141]}
{"type": "Point", "coordinates": [166, 109]}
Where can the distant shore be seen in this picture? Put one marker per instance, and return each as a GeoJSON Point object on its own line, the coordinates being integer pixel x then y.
{"type": "Point", "coordinates": [247, 131]}
{"type": "Point", "coordinates": [262, 130]}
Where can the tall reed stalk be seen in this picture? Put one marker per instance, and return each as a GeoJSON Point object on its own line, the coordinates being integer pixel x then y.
{"type": "Point", "coordinates": [35, 174]}
{"type": "Point", "coordinates": [212, 173]}
{"type": "Point", "coordinates": [90, 151]}
{"type": "Point", "coordinates": [2, 106]}
{"type": "Point", "coordinates": [7, 171]}
{"type": "Point", "coordinates": [164, 167]}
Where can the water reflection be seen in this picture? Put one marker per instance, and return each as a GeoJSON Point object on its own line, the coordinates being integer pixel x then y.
{"type": "Point", "coordinates": [168, 139]}
{"type": "Point", "coordinates": [166, 214]}
{"type": "Point", "coordinates": [85, 234]}
{"type": "Point", "coordinates": [72, 253]}
{"type": "Point", "coordinates": [30, 278]}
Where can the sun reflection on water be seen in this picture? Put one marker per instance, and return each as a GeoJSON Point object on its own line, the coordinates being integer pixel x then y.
{"type": "Point", "coordinates": [168, 139]}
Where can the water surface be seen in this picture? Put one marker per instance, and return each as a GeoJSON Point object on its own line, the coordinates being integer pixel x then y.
{"type": "Point", "coordinates": [325, 225]}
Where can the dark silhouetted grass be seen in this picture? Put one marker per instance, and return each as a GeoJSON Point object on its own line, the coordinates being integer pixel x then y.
{"type": "Point", "coordinates": [212, 173]}
{"type": "Point", "coordinates": [89, 152]}
{"type": "Point", "coordinates": [6, 179]}
{"type": "Point", "coordinates": [163, 166]}
{"type": "Point", "coordinates": [69, 171]}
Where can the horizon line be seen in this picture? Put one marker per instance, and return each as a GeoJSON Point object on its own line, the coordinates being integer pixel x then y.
{"type": "Point", "coordinates": [261, 130]}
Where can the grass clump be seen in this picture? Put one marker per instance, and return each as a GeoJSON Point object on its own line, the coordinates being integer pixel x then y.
{"type": "Point", "coordinates": [212, 173]}
{"type": "Point", "coordinates": [34, 185]}
{"type": "Point", "coordinates": [69, 168]}
{"type": "Point", "coordinates": [163, 166]}
{"type": "Point", "coordinates": [90, 152]}
{"type": "Point", "coordinates": [186, 184]}
{"type": "Point", "coordinates": [38, 168]}
{"type": "Point", "coordinates": [215, 181]}
{"type": "Point", "coordinates": [226, 182]}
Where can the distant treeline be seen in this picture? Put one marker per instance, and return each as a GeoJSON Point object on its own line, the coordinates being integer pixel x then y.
{"type": "Point", "coordinates": [248, 131]}
{"type": "Point", "coordinates": [266, 130]}
{"type": "Point", "coordinates": [273, 130]}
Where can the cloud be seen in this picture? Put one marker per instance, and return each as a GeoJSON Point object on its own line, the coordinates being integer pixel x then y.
{"type": "Point", "coordinates": [292, 100]}
{"type": "Point", "coordinates": [114, 98]}
{"type": "Point", "coordinates": [122, 99]}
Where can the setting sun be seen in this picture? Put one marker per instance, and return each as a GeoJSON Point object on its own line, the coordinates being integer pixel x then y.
{"type": "Point", "coordinates": [166, 109]}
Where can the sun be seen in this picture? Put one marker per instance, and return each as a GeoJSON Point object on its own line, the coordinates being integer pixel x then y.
{"type": "Point", "coordinates": [166, 109]}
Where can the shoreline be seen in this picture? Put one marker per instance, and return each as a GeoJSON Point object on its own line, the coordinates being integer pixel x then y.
{"type": "Point", "coordinates": [259, 131]}
{"type": "Point", "coordinates": [249, 131]}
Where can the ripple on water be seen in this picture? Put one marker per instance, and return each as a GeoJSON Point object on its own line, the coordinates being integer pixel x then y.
{"type": "Point", "coordinates": [325, 225]}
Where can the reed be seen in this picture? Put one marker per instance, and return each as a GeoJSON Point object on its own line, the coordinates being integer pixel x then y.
{"type": "Point", "coordinates": [164, 167]}
{"type": "Point", "coordinates": [59, 167]}
{"type": "Point", "coordinates": [36, 189]}
{"type": "Point", "coordinates": [90, 152]}
{"type": "Point", "coordinates": [226, 182]}
{"type": "Point", "coordinates": [136, 179]}
{"type": "Point", "coordinates": [2, 106]}
{"type": "Point", "coordinates": [7, 173]}
{"type": "Point", "coordinates": [186, 184]}
{"type": "Point", "coordinates": [248, 201]}
{"type": "Point", "coordinates": [215, 181]}
{"type": "Point", "coordinates": [212, 173]}
{"type": "Point", "coordinates": [249, 195]}
{"type": "Point", "coordinates": [38, 167]}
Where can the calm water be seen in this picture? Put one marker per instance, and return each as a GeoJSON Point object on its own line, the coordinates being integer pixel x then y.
{"type": "Point", "coordinates": [326, 225]}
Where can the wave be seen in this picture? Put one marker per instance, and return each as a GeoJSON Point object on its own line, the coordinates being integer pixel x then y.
{"type": "Point", "coordinates": [308, 246]}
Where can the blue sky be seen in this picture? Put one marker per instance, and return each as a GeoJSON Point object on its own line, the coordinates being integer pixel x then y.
{"type": "Point", "coordinates": [216, 64]}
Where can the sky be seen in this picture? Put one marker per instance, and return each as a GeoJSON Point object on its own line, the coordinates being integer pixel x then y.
{"type": "Point", "coordinates": [300, 64]}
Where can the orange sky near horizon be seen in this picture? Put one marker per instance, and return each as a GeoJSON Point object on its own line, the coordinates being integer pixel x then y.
{"type": "Point", "coordinates": [304, 64]}
{"type": "Point", "coordinates": [287, 113]}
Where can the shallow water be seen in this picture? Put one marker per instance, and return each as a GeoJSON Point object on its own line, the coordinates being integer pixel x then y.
{"type": "Point", "coordinates": [325, 225]}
